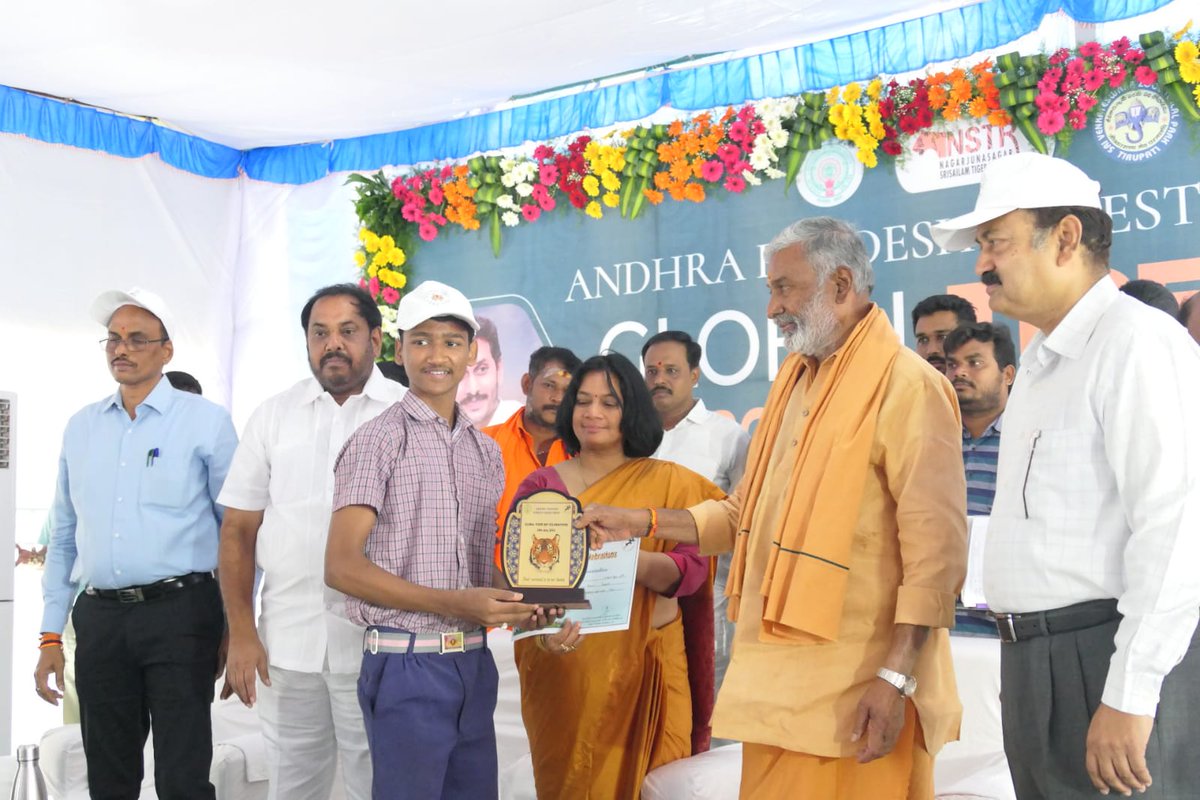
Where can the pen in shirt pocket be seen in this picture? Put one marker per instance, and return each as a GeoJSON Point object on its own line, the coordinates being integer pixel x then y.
{"type": "Point", "coordinates": [1029, 468]}
{"type": "Point", "coordinates": [151, 456]}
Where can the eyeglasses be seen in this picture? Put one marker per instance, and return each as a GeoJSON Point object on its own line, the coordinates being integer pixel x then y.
{"type": "Point", "coordinates": [132, 344]}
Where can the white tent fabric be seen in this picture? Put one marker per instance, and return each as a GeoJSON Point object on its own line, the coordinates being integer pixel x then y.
{"type": "Point", "coordinates": [274, 72]}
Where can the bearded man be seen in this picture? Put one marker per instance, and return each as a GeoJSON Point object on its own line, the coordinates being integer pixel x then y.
{"type": "Point", "coordinates": [849, 542]}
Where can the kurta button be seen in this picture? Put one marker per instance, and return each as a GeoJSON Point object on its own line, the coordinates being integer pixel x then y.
{"type": "Point", "coordinates": [804, 413]}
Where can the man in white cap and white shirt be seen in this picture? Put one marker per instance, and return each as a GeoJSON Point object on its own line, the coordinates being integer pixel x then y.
{"type": "Point", "coordinates": [278, 498]}
{"type": "Point", "coordinates": [411, 544]}
{"type": "Point", "coordinates": [138, 481]}
{"type": "Point", "coordinates": [1090, 562]}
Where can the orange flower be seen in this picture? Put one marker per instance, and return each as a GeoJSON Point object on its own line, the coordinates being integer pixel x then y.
{"type": "Point", "coordinates": [668, 152]}
{"type": "Point", "coordinates": [957, 75]}
{"type": "Point", "coordinates": [675, 128]}
{"type": "Point", "coordinates": [983, 68]}
{"type": "Point", "coordinates": [462, 171]}
{"type": "Point", "coordinates": [676, 190]}
{"type": "Point", "coordinates": [654, 197]}
{"type": "Point", "coordinates": [698, 168]}
{"type": "Point", "coordinates": [978, 108]}
{"type": "Point", "coordinates": [662, 180]}
{"type": "Point", "coordinates": [960, 92]}
{"type": "Point", "coordinates": [937, 96]}
{"type": "Point", "coordinates": [999, 117]}
{"type": "Point", "coordinates": [681, 170]}
{"type": "Point", "coordinates": [471, 224]}
{"type": "Point", "coordinates": [950, 113]}
{"type": "Point", "coordinates": [711, 143]}
{"type": "Point", "coordinates": [936, 79]}
{"type": "Point", "coordinates": [690, 143]}
{"type": "Point", "coordinates": [694, 192]}
{"type": "Point", "coordinates": [728, 115]}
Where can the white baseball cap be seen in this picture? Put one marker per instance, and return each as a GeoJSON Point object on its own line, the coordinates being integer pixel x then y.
{"type": "Point", "coordinates": [107, 303]}
{"type": "Point", "coordinates": [434, 299]}
{"type": "Point", "coordinates": [1019, 181]}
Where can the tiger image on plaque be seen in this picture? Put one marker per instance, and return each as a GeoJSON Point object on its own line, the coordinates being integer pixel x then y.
{"type": "Point", "coordinates": [544, 555]}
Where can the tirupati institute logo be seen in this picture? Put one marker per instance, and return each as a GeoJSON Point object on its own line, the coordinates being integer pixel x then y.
{"type": "Point", "coordinates": [1135, 124]}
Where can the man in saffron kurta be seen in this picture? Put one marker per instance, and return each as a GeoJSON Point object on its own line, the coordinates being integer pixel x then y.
{"type": "Point", "coordinates": [849, 538]}
{"type": "Point", "coordinates": [528, 439]}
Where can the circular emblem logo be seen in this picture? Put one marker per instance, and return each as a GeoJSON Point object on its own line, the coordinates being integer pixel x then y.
{"type": "Point", "coordinates": [829, 176]}
{"type": "Point", "coordinates": [1135, 124]}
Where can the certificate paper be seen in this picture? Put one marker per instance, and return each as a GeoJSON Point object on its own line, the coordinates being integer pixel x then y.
{"type": "Point", "coordinates": [608, 585]}
{"type": "Point", "coordinates": [972, 591]}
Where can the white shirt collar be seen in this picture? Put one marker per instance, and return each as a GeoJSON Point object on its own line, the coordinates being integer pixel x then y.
{"type": "Point", "coordinates": [376, 388]}
{"type": "Point", "coordinates": [1071, 335]}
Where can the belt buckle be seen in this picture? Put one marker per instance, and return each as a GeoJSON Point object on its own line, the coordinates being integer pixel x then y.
{"type": "Point", "coordinates": [130, 595]}
{"type": "Point", "coordinates": [373, 641]}
{"type": "Point", "coordinates": [453, 642]}
{"type": "Point", "coordinates": [1006, 628]}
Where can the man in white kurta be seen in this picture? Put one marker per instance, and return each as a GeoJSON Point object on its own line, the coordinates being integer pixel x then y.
{"type": "Point", "coordinates": [301, 663]}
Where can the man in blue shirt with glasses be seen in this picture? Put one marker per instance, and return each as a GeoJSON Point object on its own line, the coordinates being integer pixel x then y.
{"type": "Point", "coordinates": [136, 520]}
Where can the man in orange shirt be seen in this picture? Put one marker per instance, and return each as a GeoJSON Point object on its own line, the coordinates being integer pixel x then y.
{"type": "Point", "coordinates": [529, 438]}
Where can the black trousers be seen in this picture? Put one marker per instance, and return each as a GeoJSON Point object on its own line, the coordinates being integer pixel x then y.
{"type": "Point", "coordinates": [148, 666]}
{"type": "Point", "coordinates": [1051, 688]}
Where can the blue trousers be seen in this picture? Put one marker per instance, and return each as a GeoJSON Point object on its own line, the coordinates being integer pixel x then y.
{"type": "Point", "coordinates": [429, 724]}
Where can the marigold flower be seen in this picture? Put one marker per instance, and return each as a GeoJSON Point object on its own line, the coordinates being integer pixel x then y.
{"type": "Point", "coordinates": [610, 181]}
{"type": "Point", "coordinates": [653, 196]}
{"type": "Point", "coordinates": [591, 185]}
{"type": "Point", "coordinates": [851, 93]}
{"type": "Point", "coordinates": [874, 88]}
{"type": "Point", "coordinates": [593, 210]}
{"type": "Point", "coordinates": [611, 199]}
{"type": "Point", "coordinates": [360, 258]}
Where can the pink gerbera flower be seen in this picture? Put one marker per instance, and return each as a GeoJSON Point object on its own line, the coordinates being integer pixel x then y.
{"type": "Point", "coordinates": [530, 212]}
{"type": "Point", "coordinates": [1145, 76]}
{"type": "Point", "coordinates": [711, 170]}
{"type": "Point", "coordinates": [427, 231]}
{"type": "Point", "coordinates": [1089, 49]}
{"type": "Point", "coordinates": [390, 296]}
{"type": "Point", "coordinates": [735, 183]}
{"type": "Point", "coordinates": [547, 174]}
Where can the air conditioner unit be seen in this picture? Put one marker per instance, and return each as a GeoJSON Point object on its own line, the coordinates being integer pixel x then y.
{"type": "Point", "coordinates": [8, 533]}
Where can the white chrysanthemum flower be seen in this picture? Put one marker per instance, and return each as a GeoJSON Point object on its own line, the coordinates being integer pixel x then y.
{"type": "Point", "coordinates": [751, 178]}
{"type": "Point", "coordinates": [508, 179]}
{"type": "Point", "coordinates": [506, 201]}
{"type": "Point", "coordinates": [524, 189]}
{"type": "Point", "coordinates": [510, 218]}
{"type": "Point", "coordinates": [774, 174]}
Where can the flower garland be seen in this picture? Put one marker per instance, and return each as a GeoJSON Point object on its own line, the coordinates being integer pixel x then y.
{"type": "Point", "coordinates": [1047, 97]}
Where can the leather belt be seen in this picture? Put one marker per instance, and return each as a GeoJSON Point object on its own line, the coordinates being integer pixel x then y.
{"type": "Point", "coordinates": [377, 641]}
{"type": "Point", "coordinates": [1019, 627]}
{"type": "Point", "coordinates": [150, 591]}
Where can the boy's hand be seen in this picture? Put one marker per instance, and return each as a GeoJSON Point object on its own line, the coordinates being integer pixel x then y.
{"type": "Point", "coordinates": [491, 607]}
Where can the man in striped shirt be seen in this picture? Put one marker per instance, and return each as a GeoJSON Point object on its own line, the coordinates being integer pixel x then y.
{"type": "Point", "coordinates": [980, 363]}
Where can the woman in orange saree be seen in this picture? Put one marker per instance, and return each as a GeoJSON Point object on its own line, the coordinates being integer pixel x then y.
{"type": "Point", "coordinates": [603, 710]}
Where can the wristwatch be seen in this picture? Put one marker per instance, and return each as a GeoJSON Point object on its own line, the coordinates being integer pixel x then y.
{"type": "Point", "coordinates": [905, 684]}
